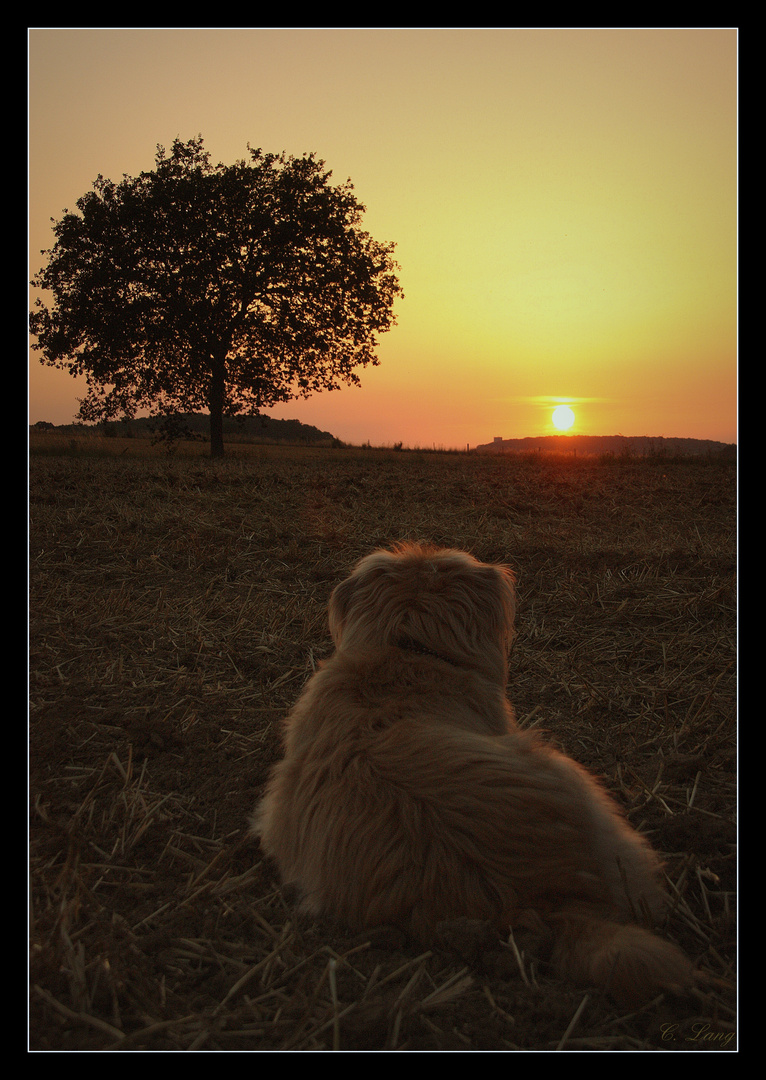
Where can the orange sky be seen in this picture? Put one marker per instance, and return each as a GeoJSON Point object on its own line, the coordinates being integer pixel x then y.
{"type": "Point", "coordinates": [563, 203]}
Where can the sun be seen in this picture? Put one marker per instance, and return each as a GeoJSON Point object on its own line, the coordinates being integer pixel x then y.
{"type": "Point", "coordinates": [563, 417]}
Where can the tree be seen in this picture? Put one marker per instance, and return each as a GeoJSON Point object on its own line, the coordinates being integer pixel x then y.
{"type": "Point", "coordinates": [225, 289]}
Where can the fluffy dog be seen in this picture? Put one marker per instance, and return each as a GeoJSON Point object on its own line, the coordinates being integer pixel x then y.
{"type": "Point", "coordinates": [407, 796]}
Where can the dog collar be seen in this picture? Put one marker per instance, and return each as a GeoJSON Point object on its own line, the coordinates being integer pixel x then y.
{"type": "Point", "coordinates": [421, 650]}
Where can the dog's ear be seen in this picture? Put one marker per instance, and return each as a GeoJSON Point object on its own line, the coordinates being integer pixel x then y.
{"type": "Point", "coordinates": [494, 596]}
{"type": "Point", "coordinates": [340, 602]}
{"type": "Point", "coordinates": [506, 580]}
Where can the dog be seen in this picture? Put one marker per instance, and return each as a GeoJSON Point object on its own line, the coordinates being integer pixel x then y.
{"type": "Point", "coordinates": [408, 796]}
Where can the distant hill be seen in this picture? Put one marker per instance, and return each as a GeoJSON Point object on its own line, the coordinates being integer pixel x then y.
{"type": "Point", "coordinates": [198, 425]}
{"type": "Point", "coordinates": [617, 445]}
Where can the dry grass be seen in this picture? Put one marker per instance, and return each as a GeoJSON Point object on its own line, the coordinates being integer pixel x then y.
{"type": "Point", "coordinates": [177, 607]}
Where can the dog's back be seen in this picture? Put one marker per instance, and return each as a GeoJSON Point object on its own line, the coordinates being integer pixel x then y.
{"type": "Point", "coordinates": [408, 797]}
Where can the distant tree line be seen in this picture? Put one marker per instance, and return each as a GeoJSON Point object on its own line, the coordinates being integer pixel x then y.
{"type": "Point", "coordinates": [618, 445]}
{"type": "Point", "coordinates": [196, 425]}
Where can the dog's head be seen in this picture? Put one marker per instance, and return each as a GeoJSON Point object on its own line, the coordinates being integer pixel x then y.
{"type": "Point", "coordinates": [433, 599]}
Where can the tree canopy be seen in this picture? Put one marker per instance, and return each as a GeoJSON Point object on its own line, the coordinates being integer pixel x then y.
{"type": "Point", "coordinates": [226, 289]}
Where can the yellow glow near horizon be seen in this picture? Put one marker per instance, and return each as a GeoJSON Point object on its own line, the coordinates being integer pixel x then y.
{"type": "Point", "coordinates": [563, 203]}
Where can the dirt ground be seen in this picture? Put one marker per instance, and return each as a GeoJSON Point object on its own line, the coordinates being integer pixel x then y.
{"type": "Point", "coordinates": [177, 606]}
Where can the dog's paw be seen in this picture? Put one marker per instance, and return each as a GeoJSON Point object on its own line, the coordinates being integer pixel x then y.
{"type": "Point", "coordinates": [478, 945]}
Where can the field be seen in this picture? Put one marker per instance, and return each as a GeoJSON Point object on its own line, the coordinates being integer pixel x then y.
{"type": "Point", "coordinates": [177, 608]}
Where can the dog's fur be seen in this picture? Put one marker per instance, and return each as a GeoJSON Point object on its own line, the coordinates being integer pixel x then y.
{"type": "Point", "coordinates": [407, 795]}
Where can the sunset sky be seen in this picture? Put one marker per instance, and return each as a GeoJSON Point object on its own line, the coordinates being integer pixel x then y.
{"type": "Point", "coordinates": [564, 204]}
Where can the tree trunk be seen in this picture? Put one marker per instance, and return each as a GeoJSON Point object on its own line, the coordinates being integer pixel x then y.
{"type": "Point", "coordinates": [217, 388]}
